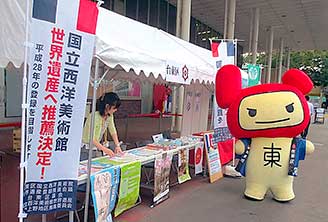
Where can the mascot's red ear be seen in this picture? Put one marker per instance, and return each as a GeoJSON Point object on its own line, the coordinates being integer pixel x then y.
{"type": "Point", "coordinates": [227, 85]}
{"type": "Point", "coordinates": [298, 79]}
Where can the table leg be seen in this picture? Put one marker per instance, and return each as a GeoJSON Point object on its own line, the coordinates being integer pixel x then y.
{"type": "Point", "coordinates": [71, 216]}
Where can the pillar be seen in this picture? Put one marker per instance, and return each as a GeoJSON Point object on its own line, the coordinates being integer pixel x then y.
{"type": "Point", "coordinates": [251, 23]}
{"type": "Point", "coordinates": [255, 34]}
{"type": "Point", "coordinates": [281, 53]}
{"type": "Point", "coordinates": [270, 55]}
{"type": "Point", "coordinates": [231, 19]}
{"type": "Point", "coordinates": [288, 58]}
{"type": "Point", "coordinates": [183, 32]}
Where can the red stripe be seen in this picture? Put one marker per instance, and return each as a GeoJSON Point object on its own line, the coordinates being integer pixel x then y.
{"type": "Point", "coordinates": [87, 17]}
{"type": "Point", "coordinates": [214, 47]}
{"type": "Point", "coordinates": [6, 125]}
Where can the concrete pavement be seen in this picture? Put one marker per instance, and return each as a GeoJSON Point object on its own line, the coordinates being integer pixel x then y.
{"type": "Point", "coordinates": [198, 200]}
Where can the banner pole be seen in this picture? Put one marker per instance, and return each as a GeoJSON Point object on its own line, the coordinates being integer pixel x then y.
{"type": "Point", "coordinates": [235, 42]}
{"type": "Point", "coordinates": [21, 214]}
{"type": "Point", "coordinates": [95, 86]}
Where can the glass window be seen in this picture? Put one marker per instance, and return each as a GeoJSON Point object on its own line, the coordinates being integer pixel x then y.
{"type": "Point", "coordinates": [107, 4]}
{"type": "Point", "coordinates": [118, 6]}
{"type": "Point", "coordinates": [154, 13]}
{"type": "Point", "coordinates": [143, 11]}
{"type": "Point", "coordinates": [163, 15]}
{"type": "Point", "coordinates": [193, 33]}
{"type": "Point", "coordinates": [131, 8]}
{"type": "Point", "coordinates": [172, 19]}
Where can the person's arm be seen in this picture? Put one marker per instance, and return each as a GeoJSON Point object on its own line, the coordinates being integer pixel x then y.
{"type": "Point", "coordinates": [117, 143]}
{"type": "Point", "coordinates": [96, 135]}
{"type": "Point", "coordinates": [113, 133]}
{"type": "Point", "coordinates": [109, 152]}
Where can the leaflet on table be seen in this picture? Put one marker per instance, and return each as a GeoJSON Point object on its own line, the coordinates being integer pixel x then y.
{"type": "Point", "coordinates": [104, 188]}
{"type": "Point", "coordinates": [166, 144]}
{"type": "Point", "coordinates": [144, 152]}
{"type": "Point", "coordinates": [83, 170]}
{"type": "Point", "coordinates": [125, 158]}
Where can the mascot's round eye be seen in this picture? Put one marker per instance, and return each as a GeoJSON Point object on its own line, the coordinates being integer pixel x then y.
{"type": "Point", "coordinates": [251, 112]}
{"type": "Point", "coordinates": [290, 108]}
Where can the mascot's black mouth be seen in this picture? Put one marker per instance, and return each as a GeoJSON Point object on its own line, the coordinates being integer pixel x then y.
{"type": "Point", "coordinates": [275, 121]}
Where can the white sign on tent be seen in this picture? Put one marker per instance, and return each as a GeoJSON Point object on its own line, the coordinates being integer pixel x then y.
{"type": "Point", "coordinates": [178, 73]}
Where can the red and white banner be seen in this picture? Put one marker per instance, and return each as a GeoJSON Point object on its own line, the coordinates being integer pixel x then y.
{"type": "Point", "coordinates": [62, 42]}
{"type": "Point", "coordinates": [224, 53]}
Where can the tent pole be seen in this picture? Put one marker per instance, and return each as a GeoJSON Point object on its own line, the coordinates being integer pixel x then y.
{"type": "Point", "coordinates": [95, 86]}
{"type": "Point", "coordinates": [21, 214]}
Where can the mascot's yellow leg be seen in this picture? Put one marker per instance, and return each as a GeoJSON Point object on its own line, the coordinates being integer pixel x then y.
{"type": "Point", "coordinates": [283, 192]}
{"type": "Point", "coordinates": [255, 190]}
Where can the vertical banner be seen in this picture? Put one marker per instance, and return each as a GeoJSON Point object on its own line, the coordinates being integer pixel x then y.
{"type": "Point", "coordinates": [213, 158]}
{"type": "Point", "coordinates": [104, 189]}
{"type": "Point", "coordinates": [198, 159]}
{"type": "Point", "coordinates": [224, 54]}
{"type": "Point", "coordinates": [162, 177]}
{"type": "Point", "coordinates": [254, 74]}
{"type": "Point", "coordinates": [183, 166]}
{"type": "Point", "coordinates": [62, 42]}
{"type": "Point", "coordinates": [129, 187]}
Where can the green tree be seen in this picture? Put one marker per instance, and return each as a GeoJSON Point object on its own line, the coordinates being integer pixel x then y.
{"type": "Point", "coordinates": [312, 62]}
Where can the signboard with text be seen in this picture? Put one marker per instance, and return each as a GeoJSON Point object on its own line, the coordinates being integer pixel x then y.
{"type": "Point", "coordinates": [62, 39]}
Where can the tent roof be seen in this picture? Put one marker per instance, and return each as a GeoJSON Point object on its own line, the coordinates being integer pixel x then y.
{"type": "Point", "coordinates": [134, 45]}
{"type": "Point", "coordinates": [119, 41]}
{"type": "Point", "coordinates": [12, 32]}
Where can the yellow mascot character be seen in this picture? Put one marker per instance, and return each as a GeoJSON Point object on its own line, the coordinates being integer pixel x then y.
{"type": "Point", "coordinates": [267, 120]}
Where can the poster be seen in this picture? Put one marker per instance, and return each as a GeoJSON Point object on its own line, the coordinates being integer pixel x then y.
{"type": "Point", "coordinates": [213, 158]}
{"type": "Point", "coordinates": [162, 177]}
{"type": "Point", "coordinates": [198, 159]}
{"type": "Point", "coordinates": [61, 49]}
{"type": "Point", "coordinates": [254, 75]}
{"type": "Point", "coordinates": [104, 188]}
{"type": "Point", "coordinates": [223, 53]}
{"type": "Point", "coordinates": [183, 166]}
{"type": "Point", "coordinates": [129, 187]}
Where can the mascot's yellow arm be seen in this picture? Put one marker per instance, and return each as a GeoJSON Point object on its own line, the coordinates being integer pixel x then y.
{"type": "Point", "coordinates": [240, 147]}
{"type": "Point", "coordinates": [309, 147]}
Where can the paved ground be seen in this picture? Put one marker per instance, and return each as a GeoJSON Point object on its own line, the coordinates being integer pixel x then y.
{"type": "Point", "coordinates": [198, 200]}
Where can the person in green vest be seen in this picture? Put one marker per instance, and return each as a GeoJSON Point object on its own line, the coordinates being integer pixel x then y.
{"type": "Point", "coordinates": [107, 105]}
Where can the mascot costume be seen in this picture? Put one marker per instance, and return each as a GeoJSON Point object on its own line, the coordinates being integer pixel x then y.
{"type": "Point", "coordinates": [267, 119]}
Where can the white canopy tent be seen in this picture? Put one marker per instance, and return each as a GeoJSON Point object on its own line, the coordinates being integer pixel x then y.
{"type": "Point", "coordinates": [119, 41]}
{"type": "Point", "coordinates": [132, 49]}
